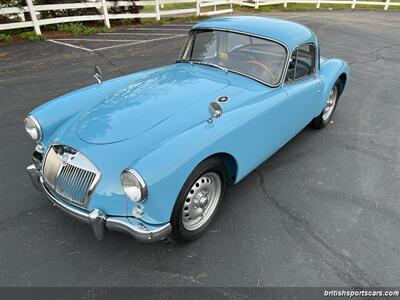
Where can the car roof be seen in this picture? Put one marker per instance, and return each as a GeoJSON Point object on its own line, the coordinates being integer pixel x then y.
{"type": "Point", "coordinates": [289, 33]}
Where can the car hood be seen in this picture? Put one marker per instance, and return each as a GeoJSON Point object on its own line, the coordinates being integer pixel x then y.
{"type": "Point", "coordinates": [145, 103]}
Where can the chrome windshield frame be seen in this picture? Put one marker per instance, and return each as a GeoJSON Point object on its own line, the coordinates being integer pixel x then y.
{"type": "Point", "coordinates": [283, 73]}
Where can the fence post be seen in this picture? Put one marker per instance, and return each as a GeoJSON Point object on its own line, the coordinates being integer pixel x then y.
{"type": "Point", "coordinates": [353, 5]}
{"type": "Point", "coordinates": [231, 1]}
{"type": "Point", "coordinates": [318, 4]}
{"type": "Point", "coordinates": [198, 7]}
{"type": "Point", "coordinates": [32, 12]}
{"type": "Point", "coordinates": [105, 13]}
{"type": "Point", "coordinates": [256, 5]}
{"type": "Point", "coordinates": [386, 5]}
{"type": "Point", "coordinates": [158, 10]}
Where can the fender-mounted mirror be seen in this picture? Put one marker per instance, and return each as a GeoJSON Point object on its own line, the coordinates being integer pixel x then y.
{"type": "Point", "coordinates": [215, 111]}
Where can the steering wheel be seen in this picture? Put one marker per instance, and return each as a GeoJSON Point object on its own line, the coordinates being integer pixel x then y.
{"type": "Point", "coordinates": [262, 66]}
{"type": "Point", "coordinates": [306, 66]}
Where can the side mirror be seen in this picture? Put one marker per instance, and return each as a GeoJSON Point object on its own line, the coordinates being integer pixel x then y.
{"type": "Point", "coordinates": [97, 74]}
{"type": "Point", "coordinates": [215, 111]}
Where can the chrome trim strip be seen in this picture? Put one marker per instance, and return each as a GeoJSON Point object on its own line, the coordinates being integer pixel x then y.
{"type": "Point", "coordinates": [188, 39]}
{"type": "Point", "coordinates": [98, 220]}
{"type": "Point", "coordinates": [257, 36]}
{"type": "Point", "coordinates": [138, 231]}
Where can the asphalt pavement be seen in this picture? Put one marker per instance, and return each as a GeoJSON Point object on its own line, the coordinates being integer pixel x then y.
{"type": "Point", "coordinates": [323, 211]}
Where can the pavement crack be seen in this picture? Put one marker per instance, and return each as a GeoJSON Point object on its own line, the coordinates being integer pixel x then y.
{"type": "Point", "coordinates": [373, 56]}
{"type": "Point", "coordinates": [5, 222]}
{"type": "Point", "coordinates": [352, 272]}
{"type": "Point", "coordinates": [384, 47]}
{"type": "Point", "coordinates": [369, 59]}
{"type": "Point", "coordinates": [370, 204]}
{"type": "Point", "coordinates": [367, 152]}
{"type": "Point", "coordinates": [111, 63]}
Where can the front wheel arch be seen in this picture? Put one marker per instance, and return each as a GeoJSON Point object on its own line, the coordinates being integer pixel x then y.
{"type": "Point", "coordinates": [342, 84]}
{"type": "Point", "coordinates": [229, 162]}
{"type": "Point", "coordinates": [180, 233]}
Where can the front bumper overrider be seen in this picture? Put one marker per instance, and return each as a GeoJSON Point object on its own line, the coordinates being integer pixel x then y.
{"type": "Point", "coordinates": [99, 222]}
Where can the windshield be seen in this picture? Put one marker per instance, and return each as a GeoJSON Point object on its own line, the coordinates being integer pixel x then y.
{"type": "Point", "coordinates": [256, 57]}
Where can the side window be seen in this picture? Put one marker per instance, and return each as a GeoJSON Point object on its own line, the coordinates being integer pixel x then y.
{"type": "Point", "coordinates": [302, 63]}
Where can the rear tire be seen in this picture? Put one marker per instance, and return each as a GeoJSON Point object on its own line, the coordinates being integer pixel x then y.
{"type": "Point", "coordinates": [199, 200]}
{"type": "Point", "coordinates": [330, 106]}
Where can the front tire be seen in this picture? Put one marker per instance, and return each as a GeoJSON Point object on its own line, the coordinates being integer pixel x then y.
{"type": "Point", "coordinates": [199, 199]}
{"type": "Point", "coordinates": [326, 115]}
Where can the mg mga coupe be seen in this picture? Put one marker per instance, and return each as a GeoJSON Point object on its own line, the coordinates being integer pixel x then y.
{"type": "Point", "coordinates": [152, 153]}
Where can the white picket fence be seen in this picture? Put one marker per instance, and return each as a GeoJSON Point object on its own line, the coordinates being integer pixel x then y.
{"type": "Point", "coordinates": [200, 8]}
{"type": "Point", "coordinates": [103, 7]}
{"type": "Point", "coordinates": [352, 3]}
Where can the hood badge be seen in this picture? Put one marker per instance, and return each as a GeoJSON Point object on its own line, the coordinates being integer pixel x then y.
{"type": "Point", "coordinates": [65, 158]}
{"type": "Point", "coordinates": [223, 99]}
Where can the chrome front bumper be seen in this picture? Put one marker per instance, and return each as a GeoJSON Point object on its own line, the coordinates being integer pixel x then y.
{"type": "Point", "coordinates": [98, 220]}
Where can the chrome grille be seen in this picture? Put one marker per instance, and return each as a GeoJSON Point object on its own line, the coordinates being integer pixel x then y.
{"type": "Point", "coordinates": [70, 174]}
{"type": "Point", "coordinates": [73, 183]}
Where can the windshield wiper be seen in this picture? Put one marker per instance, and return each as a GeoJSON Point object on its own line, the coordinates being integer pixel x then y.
{"type": "Point", "coordinates": [184, 60]}
{"type": "Point", "coordinates": [200, 62]}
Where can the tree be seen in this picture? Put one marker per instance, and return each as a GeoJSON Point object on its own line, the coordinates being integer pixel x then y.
{"type": "Point", "coordinates": [65, 12]}
{"type": "Point", "coordinates": [133, 9]}
{"type": "Point", "coordinates": [10, 3]}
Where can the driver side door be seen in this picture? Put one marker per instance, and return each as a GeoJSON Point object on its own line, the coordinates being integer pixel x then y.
{"type": "Point", "coordinates": [303, 87]}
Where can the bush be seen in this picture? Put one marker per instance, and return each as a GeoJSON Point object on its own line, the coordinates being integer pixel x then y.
{"type": "Point", "coordinates": [5, 38]}
{"type": "Point", "coordinates": [76, 28]}
{"type": "Point", "coordinates": [65, 12]}
{"type": "Point", "coordinates": [79, 28]}
{"type": "Point", "coordinates": [30, 36]}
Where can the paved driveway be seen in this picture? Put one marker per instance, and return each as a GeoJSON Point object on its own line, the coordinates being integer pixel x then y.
{"type": "Point", "coordinates": [323, 211]}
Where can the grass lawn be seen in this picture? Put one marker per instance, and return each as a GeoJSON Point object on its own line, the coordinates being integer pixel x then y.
{"type": "Point", "coordinates": [93, 27]}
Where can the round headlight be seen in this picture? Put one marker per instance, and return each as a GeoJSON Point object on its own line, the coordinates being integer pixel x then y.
{"type": "Point", "coordinates": [133, 185]}
{"type": "Point", "coordinates": [32, 127]}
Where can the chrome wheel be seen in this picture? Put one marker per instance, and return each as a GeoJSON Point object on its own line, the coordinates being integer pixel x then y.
{"type": "Point", "coordinates": [201, 201]}
{"type": "Point", "coordinates": [330, 103]}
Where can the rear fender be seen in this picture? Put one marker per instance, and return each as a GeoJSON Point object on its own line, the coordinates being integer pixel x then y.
{"type": "Point", "coordinates": [331, 70]}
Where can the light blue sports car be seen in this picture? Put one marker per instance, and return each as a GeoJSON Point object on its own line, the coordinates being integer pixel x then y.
{"type": "Point", "coordinates": [153, 153]}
